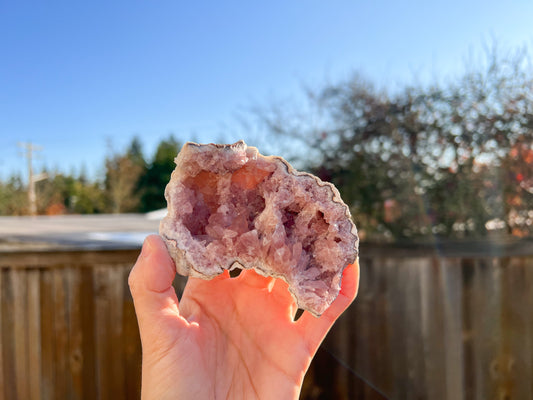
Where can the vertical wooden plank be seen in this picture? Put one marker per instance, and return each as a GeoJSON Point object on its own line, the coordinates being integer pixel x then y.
{"type": "Point", "coordinates": [452, 327]}
{"type": "Point", "coordinates": [108, 307]}
{"type": "Point", "coordinates": [75, 333]}
{"type": "Point", "coordinates": [62, 376]}
{"type": "Point", "coordinates": [469, 309]}
{"type": "Point", "coordinates": [8, 341]}
{"type": "Point", "coordinates": [8, 335]}
{"type": "Point", "coordinates": [381, 376]}
{"type": "Point", "coordinates": [361, 350]}
{"type": "Point", "coordinates": [432, 322]}
{"type": "Point", "coordinates": [103, 359]}
{"type": "Point", "coordinates": [357, 308]}
{"type": "Point", "coordinates": [34, 333]}
{"type": "Point", "coordinates": [411, 270]}
{"type": "Point", "coordinates": [341, 354]}
{"type": "Point", "coordinates": [370, 350]}
{"type": "Point", "coordinates": [486, 325]}
{"type": "Point", "coordinates": [493, 328]}
{"type": "Point", "coordinates": [131, 344]}
{"type": "Point", "coordinates": [2, 329]}
{"type": "Point", "coordinates": [47, 311]}
{"type": "Point", "coordinates": [20, 309]}
{"type": "Point", "coordinates": [526, 310]}
{"type": "Point", "coordinates": [513, 370]}
{"type": "Point", "coordinates": [321, 381]}
{"type": "Point", "coordinates": [88, 321]}
{"type": "Point", "coordinates": [116, 297]}
{"type": "Point", "coordinates": [397, 321]}
{"type": "Point", "coordinates": [355, 388]}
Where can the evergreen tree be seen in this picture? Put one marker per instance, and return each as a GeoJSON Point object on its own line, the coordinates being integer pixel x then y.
{"type": "Point", "coordinates": [122, 179]}
{"type": "Point", "coordinates": [13, 197]}
{"type": "Point", "coordinates": [154, 181]}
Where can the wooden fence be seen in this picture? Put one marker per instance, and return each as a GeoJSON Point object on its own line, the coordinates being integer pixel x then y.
{"type": "Point", "coordinates": [429, 322]}
{"type": "Point", "coordinates": [68, 328]}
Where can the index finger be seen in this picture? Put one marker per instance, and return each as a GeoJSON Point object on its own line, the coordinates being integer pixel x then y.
{"type": "Point", "coordinates": [315, 329]}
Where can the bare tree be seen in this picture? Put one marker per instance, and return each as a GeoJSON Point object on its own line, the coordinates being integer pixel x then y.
{"type": "Point", "coordinates": [438, 160]}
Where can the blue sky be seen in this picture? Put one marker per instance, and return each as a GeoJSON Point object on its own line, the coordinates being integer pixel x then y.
{"type": "Point", "coordinates": [74, 75]}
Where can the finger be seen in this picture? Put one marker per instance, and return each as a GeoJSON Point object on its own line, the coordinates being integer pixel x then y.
{"type": "Point", "coordinates": [221, 276]}
{"type": "Point", "coordinates": [280, 294]}
{"type": "Point", "coordinates": [315, 329]}
{"type": "Point", "coordinates": [195, 284]}
{"type": "Point", "coordinates": [252, 278]}
{"type": "Point", "coordinates": [151, 287]}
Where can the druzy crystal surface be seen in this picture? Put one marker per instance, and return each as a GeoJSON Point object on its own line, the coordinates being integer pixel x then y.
{"type": "Point", "coordinates": [229, 206]}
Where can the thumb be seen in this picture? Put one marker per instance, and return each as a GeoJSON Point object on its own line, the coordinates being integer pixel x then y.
{"type": "Point", "coordinates": [154, 297]}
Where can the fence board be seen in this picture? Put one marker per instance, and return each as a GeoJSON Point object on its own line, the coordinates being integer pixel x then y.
{"type": "Point", "coordinates": [486, 313]}
{"type": "Point", "coordinates": [371, 363]}
{"type": "Point", "coordinates": [102, 346]}
{"type": "Point", "coordinates": [411, 292]}
{"type": "Point", "coordinates": [432, 320]}
{"type": "Point", "coordinates": [397, 338]}
{"type": "Point", "coordinates": [75, 333]}
{"type": "Point", "coordinates": [7, 337]}
{"type": "Point", "coordinates": [515, 370]}
{"type": "Point", "coordinates": [116, 296]}
{"type": "Point", "coordinates": [526, 312]}
{"type": "Point", "coordinates": [48, 366]}
{"type": "Point", "coordinates": [131, 345]}
{"type": "Point", "coordinates": [20, 309]}
{"type": "Point", "coordinates": [452, 326]}
{"type": "Point", "coordinates": [380, 373]}
{"type": "Point", "coordinates": [61, 356]}
{"type": "Point", "coordinates": [2, 324]}
{"type": "Point", "coordinates": [87, 310]}
{"type": "Point", "coordinates": [357, 336]}
{"type": "Point", "coordinates": [34, 334]}
{"type": "Point", "coordinates": [361, 333]}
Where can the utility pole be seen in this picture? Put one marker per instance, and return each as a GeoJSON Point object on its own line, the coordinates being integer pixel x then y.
{"type": "Point", "coordinates": [30, 149]}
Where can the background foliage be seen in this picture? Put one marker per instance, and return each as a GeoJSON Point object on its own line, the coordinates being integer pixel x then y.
{"type": "Point", "coordinates": [453, 159]}
{"type": "Point", "coordinates": [130, 183]}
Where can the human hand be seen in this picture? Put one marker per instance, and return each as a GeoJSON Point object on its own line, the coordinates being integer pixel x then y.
{"type": "Point", "coordinates": [227, 337]}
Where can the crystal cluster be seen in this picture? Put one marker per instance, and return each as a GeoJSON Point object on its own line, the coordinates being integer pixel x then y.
{"type": "Point", "coordinates": [229, 206]}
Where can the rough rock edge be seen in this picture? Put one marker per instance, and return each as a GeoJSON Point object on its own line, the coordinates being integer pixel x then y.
{"type": "Point", "coordinates": [186, 268]}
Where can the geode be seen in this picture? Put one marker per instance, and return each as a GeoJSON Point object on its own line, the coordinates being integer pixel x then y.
{"type": "Point", "coordinates": [231, 207]}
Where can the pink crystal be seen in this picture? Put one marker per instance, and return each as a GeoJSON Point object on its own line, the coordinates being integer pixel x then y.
{"type": "Point", "coordinates": [229, 206]}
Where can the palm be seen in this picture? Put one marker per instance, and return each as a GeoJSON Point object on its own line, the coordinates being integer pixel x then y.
{"type": "Point", "coordinates": [233, 338]}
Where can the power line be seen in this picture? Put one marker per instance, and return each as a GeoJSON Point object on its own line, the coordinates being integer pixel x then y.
{"type": "Point", "coordinates": [30, 149]}
{"type": "Point", "coordinates": [355, 374]}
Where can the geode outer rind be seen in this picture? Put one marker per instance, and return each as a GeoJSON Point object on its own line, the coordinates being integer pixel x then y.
{"type": "Point", "coordinates": [229, 206]}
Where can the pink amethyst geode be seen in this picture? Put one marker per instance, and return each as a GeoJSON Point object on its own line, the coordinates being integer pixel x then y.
{"type": "Point", "coordinates": [229, 207]}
